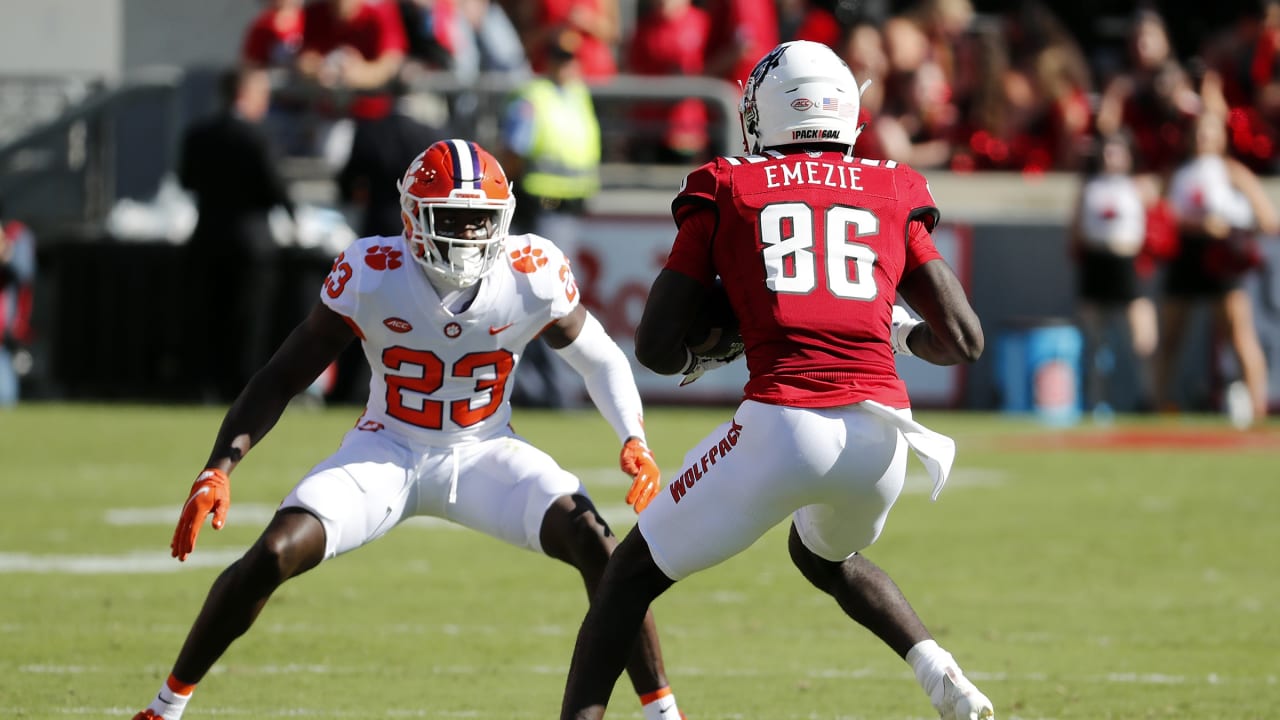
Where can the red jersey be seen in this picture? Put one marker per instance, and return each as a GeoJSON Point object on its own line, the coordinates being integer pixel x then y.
{"type": "Point", "coordinates": [595, 56]}
{"type": "Point", "coordinates": [749, 26]}
{"type": "Point", "coordinates": [672, 44]}
{"type": "Point", "coordinates": [273, 39]}
{"type": "Point", "coordinates": [821, 26]}
{"type": "Point", "coordinates": [810, 247]}
{"type": "Point", "coordinates": [374, 29]}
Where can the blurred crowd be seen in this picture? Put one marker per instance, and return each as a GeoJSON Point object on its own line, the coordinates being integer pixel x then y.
{"type": "Point", "coordinates": [955, 84]}
{"type": "Point", "coordinates": [1168, 119]}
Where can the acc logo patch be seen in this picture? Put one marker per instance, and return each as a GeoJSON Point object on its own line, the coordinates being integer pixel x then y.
{"type": "Point", "coordinates": [399, 325]}
{"type": "Point", "coordinates": [801, 104]}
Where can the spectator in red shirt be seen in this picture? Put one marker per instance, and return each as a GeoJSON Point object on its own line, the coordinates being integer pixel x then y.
{"type": "Point", "coordinates": [1243, 71]}
{"type": "Point", "coordinates": [862, 48]}
{"type": "Point", "coordinates": [1154, 99]}
{"type": "Point", "coordinates": [818, 23]}
{"type": "Point", "coordinates": [743, 32]}
{"type": "Point", "coordinates": [275, 36]}
{"type": "Point", "coordinates": [595, 20]}
{"type": "Point", "coordinates": [354, 45]}
{"type": "Point", "coordinates": [1044, 50]}
{"type": "Point", "coordinates": [273, 40]}
{"type": "Point", "coordinates": [670, 39]}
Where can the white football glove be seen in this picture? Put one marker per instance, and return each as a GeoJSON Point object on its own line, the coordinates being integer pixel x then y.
{"type": "Point", "coordinates": [900, 327]}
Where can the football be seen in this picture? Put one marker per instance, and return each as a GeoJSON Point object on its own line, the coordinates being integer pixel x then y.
{"type": "Point", "coordinates": [714, 332]}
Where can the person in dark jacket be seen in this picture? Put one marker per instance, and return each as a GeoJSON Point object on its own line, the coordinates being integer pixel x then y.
{"type": "Point", "coordinates": [228, 164]}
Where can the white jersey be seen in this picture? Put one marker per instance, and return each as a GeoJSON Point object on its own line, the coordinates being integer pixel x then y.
{"type": "Point", "coordinates": [1112, 216]}
{"type": "Point", "coordinates": [1203, 187]}
{"type": "Point", "coordinates": [439, 378]}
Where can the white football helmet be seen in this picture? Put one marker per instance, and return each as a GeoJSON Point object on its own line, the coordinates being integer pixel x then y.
{"type": "Point", "coordinates": [801, 92]}
{"type": "Point", "coordinates": [455, 176]}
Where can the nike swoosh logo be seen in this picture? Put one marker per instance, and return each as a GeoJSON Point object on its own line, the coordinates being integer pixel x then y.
{"type": "Point", "coordinates": [495, 330]}
{"type": "Point", "coordinates": [194, 495]}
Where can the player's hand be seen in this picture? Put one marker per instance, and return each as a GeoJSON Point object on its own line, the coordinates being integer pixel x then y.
{"type": "Point", "coordinates": [637, 461]}
{"type": "Point", "coordinates": [211, 493]}
{"type": "Point", "coordinates": [698, 365]}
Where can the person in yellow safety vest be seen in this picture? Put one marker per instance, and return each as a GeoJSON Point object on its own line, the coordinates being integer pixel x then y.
{"type": "Point", "coordinates": [551, 149]}
{"type": "Point", "coordinates": [552, 139]}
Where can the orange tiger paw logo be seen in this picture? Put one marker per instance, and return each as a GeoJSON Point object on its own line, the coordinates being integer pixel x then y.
{"type": "Point", "coordinates": [527, 259]}
{"type": "Point", "coordinates": [382, 257]}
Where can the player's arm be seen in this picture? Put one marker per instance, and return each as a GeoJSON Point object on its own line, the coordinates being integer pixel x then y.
{"type": "Point", "coordinates": [308, 350]}
{"type": "Point", "coordinates": [665, 322]}
{"type": "Point", "coordinates": [1244, 180]}
{"type": "Point", "coordinates": [305, 353]}
{"type": "Point", "coordinates": [951, 332]}
{"type": "Point", "coordinates": [581, 340]}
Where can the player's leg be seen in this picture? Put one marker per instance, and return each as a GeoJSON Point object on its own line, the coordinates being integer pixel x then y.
{"type": "Point", "coordinates": [290, 545]}
{"type": "Point", "coordinates": [574, 532]}
{"type": "Point", "coordinates": [1144, 337]}
{"type": "Point", "coordinates": [870, 597]}
{"type": "Point", "coordinates": [865, 593]}
{"type": "Point", "coordinates": [823, 544]}
{"type": "Point", "coordinates": [1094, 326]}
{"type": "Point", "coordinates": [1234, 314]}
{"type": "Point", "coordinates": [1175, 312]}
{"type": "Point", "coordinates": [326, 514]}
{"type": "Point", "coordinates": [511, 490]}
{"type": "Point", "coordinates": [732, 487]}
{"type": "Point", "coordinates": [618, 611]}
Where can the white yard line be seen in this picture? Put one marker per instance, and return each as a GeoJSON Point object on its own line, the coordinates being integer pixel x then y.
{"type": "Point", "coordinates": [617, 514]}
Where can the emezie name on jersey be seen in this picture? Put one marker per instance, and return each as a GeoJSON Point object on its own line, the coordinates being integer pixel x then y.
{"type": "Point", "coordinates": [812, 172]}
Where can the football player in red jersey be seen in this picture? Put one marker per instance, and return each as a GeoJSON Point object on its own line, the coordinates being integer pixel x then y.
{"type": "Point", "coordinates": [443, 313]}
{"type": "Point", "coordinates": [812, 244]}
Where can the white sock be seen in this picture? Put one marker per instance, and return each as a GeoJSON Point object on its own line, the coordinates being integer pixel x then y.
{"type": "Point", "coordinates": [662, 708]}
{"type": "Point", "coordinates": [169, 704]}
{"type": "Point", "coordinates": [929, 662]}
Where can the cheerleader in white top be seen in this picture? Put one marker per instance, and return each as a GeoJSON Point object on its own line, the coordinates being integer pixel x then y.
{"type": "Point", "coordinates": [1220, 205]}
{"type": "Point", "coordinates": [1107, 234]}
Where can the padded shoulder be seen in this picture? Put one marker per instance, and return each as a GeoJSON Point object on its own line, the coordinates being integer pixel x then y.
{"type": "Point", "coordinates": [920, 197]}
{"type": "Point", "coordinates": [361, 269]}
{"type": "Point", "coordinates": [542, 269]}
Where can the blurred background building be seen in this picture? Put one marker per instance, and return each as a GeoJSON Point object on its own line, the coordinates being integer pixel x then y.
{"type": "Point", "coordinates": [999, 102]}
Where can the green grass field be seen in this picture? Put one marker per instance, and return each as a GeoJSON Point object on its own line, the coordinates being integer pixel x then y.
{"type": "Point", "coordinates": [1075, 574]}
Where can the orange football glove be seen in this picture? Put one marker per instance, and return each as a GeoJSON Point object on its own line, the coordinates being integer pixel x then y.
{"type": "Point", "coordinates": [211, 493]}
{"type": "Point", "coordinates": [637, 461]}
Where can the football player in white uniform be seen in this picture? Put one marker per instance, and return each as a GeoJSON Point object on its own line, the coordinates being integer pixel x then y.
{"type": "Point", "coordinates": [443, 314]}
